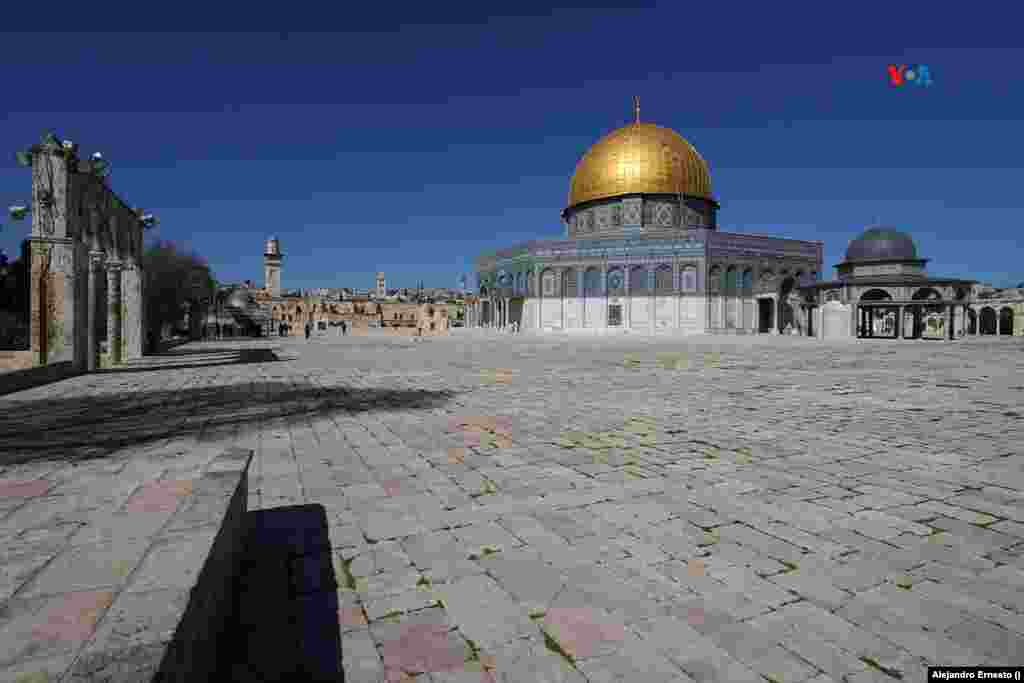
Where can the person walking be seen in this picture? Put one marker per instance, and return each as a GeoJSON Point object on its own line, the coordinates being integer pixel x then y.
{"type": "Point", "coordinates": [344, 328]}
{"type": "Point", "coordinates": [309, 329]}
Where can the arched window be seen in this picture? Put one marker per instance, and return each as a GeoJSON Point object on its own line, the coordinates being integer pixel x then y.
{"type": "Point", "coordinates": [747, 282]}
{"type": "Point", "coordinates": [731, 283]}
{"type": "Point", "coordinates": [548, 283]}
{"type": "Point", "coordinates": [715, 279]}
{"type": "Point", "coordinates": [663, 279]}
{"type": "Point", "coordinates": [876, 295]}
{"type": "Point", "coordinates": [688, 279]}
{"type": "Point", "coordinates": [926, 294]}
{"type": "Point", "coordinates": [638, 280]}
{"type": "Point", "coordinates": [592, 282]}
{"type": "Point", "coordinates": [569, 282]}
{"type": "Point", "coordinates": [616, 282]}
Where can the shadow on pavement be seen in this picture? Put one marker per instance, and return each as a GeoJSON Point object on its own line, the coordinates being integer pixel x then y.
{"type": "Point", "coordinates": [191, 359]}
{"type": "Point", "coordinates": [96, 425]}
{"type": "Point", "coordinates": [286, 626]}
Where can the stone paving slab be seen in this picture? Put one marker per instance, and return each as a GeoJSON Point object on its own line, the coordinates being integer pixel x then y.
{"type": "Point", "coordinates": [566, 508]}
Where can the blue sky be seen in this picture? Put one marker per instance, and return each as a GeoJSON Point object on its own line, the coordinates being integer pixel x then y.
{"type": "Point", "coordinates": [418, 139]}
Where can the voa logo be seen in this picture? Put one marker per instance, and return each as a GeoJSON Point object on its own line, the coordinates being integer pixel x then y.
{"type": "Point", "coordinates": [909, 74]}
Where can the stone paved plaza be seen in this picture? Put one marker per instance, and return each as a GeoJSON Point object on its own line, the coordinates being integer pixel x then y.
{"type": "Point", "coordinates": [578, 508]}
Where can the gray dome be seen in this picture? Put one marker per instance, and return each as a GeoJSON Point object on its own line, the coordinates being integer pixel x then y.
{"type": "Point", "coordinates": [882, 243]}
{"type": "Point", "coordinates": [239, 299]}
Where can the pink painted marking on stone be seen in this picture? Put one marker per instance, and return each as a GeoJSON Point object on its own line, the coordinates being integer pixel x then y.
{"type": "Point", "coordinates": [503, 421]}
{"type": "Point", "coordinates": [158, 496]}
{"type": "Point", "coordinates": [351, 616]}
{"type": "Point", "coordinates": [392, 486]}
{"type": "Point", "coordinates": [423, 648]}
{"type": "Point", "coordinates": [14, 488]}
{"type": "Point", "coordinates": [695, 615]}
{"type": "Point", "coordinates": [471, 439]}
{"type": "Point", "coordinates": [579, 629]}
{"type": "Point", "coordinates": [75, 617]}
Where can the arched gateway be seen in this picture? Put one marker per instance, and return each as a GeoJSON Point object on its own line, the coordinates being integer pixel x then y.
{"type": "Point", "coordinates": [85, 264]}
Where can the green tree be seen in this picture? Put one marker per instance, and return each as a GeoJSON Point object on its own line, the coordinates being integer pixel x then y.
{"type": "Point", "coordinates": [174, 280]}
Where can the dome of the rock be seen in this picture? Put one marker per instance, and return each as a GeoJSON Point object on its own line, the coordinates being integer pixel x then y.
{"type": "Point", "coordinates": [640, 158]}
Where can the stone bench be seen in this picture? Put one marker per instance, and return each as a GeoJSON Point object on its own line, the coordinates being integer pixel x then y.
{"type": "Point", "coordinates": [146, 594]}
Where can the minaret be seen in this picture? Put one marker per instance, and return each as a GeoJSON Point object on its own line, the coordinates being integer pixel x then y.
{"type": "Point", "coordinates": [381, 290]}
{"type": "Point", "coordinates": [272, 258]}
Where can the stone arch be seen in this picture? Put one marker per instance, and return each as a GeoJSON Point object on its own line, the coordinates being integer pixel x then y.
{"type": "Point", "coordinates": [663, 279]}
{"type": "Point", "coordinates": [1005, 320]}
{"type": "Point", "coordinates": [549, 283]}
{"type": "Point", "coordinates": [638, 280]}
{"type": "Point", "coordinates": [786, 315]}
{"type": "Point", "coordinates": [592, 282]}
{"type": "Point", "coordinates": [926, 294]}
{"type": "Point", "coordinates": [767, 279]}
{"type": "Point", "coordinates": [688, 279]}
{"type": "Point", "coordinates": [616, 281]}
{"type": "Point", "coordinates": [972, 321]}
{"type": "Point", "coordinates": [833, 295]}
{"type": "Point", "coordinates": [988, 322]}
{"type": "Point", "coordinates": [876, 294]}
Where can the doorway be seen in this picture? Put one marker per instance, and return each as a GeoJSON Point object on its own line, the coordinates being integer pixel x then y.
{"type": "Point", "coordinates": [515, 311]}
{"type": "Point", "coordinates": [765, 309]}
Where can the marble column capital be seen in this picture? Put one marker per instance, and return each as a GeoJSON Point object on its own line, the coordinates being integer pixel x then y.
{"type": "Point", "coordinates": [114, 265]}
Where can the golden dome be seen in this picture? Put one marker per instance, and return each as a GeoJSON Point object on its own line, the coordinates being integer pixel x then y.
{"type": "Point", "coordinates": [640, 157]}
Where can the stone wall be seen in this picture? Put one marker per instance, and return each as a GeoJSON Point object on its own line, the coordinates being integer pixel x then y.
{"type": "Point", "coordinates": [197, 601]}
{"type": "Point", "coordinates": [835, 321]}
{"type": "Point", "coordinates": [30, 376]}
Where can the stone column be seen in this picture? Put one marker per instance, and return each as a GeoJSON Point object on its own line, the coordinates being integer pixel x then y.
{"type": "Point", "coordinates": [676, 297]}
{"type": "Point", "coordinates": [581, 296]}
{"type": "Point", "coordinates": [540, 296]}
{"type": "Point", "coordinates": [96, 259]}
{"type": "Point", "coordinates": [899, 324]}
{"type": "Point", "coordinates": [949, 321]}
{"type": "Point", "coordinates": [604, 295]}
{"type": "Point", "coordinates": [652, 299]}
{"type": "Point", "coordinates": [114, 311]}
{"type": "Point", "coordinates": [132, 323]}
{"type": "Point", "coordinates": [627, 313]}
